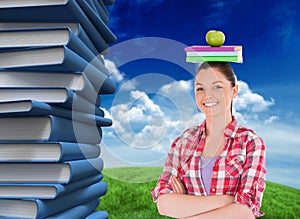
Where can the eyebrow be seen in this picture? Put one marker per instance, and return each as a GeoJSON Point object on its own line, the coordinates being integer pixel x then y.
{"type": "Point", "coordinates": [218, 82]}
{"type": "Point", "coordinates": [198, 83]}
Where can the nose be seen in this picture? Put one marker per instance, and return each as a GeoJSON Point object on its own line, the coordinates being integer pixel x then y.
{"type": "Point", "coordinates": [208, 93]}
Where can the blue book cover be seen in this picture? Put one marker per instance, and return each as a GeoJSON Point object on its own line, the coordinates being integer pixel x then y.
{"type": "Point", "coordinates": [80, 211]}
{"type": "Point", "coordinates": [102, 5]}
{"type": "Point", "coordinates": [46, 173]}
{"type": "Point", "coordinates": [74, 26]}
{"type": "Point", "coordinates": [76, 81]}
{"type": "Point", "coordinates": [27, 108]}
{"type": "Point", "coordinates": [92, 5]}
{"type": "Point", "coordinates": [61, 96]}
{"type": "Point", "coordinates": [96, 6]}
{"type": "Point", "coordinates": [34, 107]}
{"type": "Point", "coordinates": [39, 209]}
{"type": "Point", "coordinates": [97, 21]}
{"type": "Point", "coordinates": [108, 2]}
{"type": "Point", "coordinates": [98, 215]}
{"type": "Point", "coordinates": [76, 45]}
{"type": "Point", "coordinates": [45, 191]}
{"type": "Point", "coordinates": [47, 152]}
{"type": "Point", "coordinates": [47, 128]}
{"type": "Point", "coordinates": [53, 36]}
{"type": "Point", "coordinates": [80, 32]}
{"type": "Point", "coordinates": [64, 11]}
{"type": "Point", "coordinates": [55, 58]}
{"type": "Point", "coordinates": [12, 81]}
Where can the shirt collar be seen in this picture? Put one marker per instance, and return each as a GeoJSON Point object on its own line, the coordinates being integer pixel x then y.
{"type": "Point", "coordinates": [230, 130]}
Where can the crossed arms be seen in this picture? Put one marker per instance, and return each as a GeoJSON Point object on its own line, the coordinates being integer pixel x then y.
{"type": "Point", "coordinates": [181, 205]}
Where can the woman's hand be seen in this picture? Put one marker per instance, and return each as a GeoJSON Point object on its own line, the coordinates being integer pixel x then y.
{"type": "Point", "coordinates": [177, 185]}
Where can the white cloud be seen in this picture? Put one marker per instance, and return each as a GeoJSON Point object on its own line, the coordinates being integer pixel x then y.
{"type": "Point", "coordinates": [177, 87]}
{"type": "Point", "coordinates": [140, 122]}
{"type": "Point", "coordinates": [129, 85]}
{"type": "Point", "coordinates": [181, 93]}
{"type": "Point", "coordinates": [106, 113]}
{"type": "Point", "coordinates": [148, 104]}
{"type": "Point", "coordinates": [271, 119]}
{"type": "Point", "coordinates": [115, 73]}
{"type": "Point", "coordinates": [247, 100]}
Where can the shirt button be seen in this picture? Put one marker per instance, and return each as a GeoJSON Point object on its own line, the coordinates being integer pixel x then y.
{"type": "Point", "coordinates": [213, 189]}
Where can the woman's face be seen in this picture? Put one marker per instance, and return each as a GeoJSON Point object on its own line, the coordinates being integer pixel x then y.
{"type": "Point", "coordinates": [213, 92]}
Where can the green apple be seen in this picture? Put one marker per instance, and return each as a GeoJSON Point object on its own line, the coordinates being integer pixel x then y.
{"type": "Point", "coordinates": [215, 38]}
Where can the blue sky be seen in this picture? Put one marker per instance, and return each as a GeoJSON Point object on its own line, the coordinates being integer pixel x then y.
{"type": "Point", "coordinates": [154, 101]}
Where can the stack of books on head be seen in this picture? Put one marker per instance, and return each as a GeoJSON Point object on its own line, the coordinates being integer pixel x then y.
{"type": "Point", "coordinates": [197, 54]}
{"type": "Point", "coordinates": [52, 77]}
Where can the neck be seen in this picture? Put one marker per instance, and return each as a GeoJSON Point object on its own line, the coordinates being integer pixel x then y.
{"type": "Point", "coordinates": [215, 125]}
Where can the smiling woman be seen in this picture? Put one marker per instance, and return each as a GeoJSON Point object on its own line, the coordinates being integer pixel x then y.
{"type": "Point", "coordinates": [217, 168]}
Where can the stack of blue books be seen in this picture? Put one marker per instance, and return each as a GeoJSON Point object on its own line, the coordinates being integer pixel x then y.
{"type": "Point", "coordinates": [52, 76]}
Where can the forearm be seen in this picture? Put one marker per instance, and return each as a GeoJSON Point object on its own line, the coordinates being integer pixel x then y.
{"type": "Point", "coordinates": [182, 205]}
{"type": "Point", "coordinates": [231, 211]}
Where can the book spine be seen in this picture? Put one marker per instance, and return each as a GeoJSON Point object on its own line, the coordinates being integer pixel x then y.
{"type": "Point", "coordinates": [72, 113]}
{"type": "Point", "coordinates": [98, 215]}
{"type": "Point", "coordinates": [82, 105]}
{"type": "Point", "coordinates": [73, 131]}
{"type": "Point", "coordinates": [78, 103]}
{"type": "Point", "coordinates": [91, 119]}
{"type": "Point", "coordinates": [89, 92]}
{"type": "Point", "coordinates": [213, 53]}
{"type": "Point", "coordinates": [108, 36]}
{"type": "Point", "coordinates": [101, 12]}
{"type": "Point", "coordinates": [91, 30]}
{"type": "Point", "coordinates": [46, 208]}
{"type": "Point", "coordinates": [211, 48]}
{"type": "Point", "coordinates": [70, 151]}
{"type": "Point", "coordinates": [84, 168]}
{"type": "Point", "coordinates": [38, 108]}
{"type": "Point", "coordinates": [91, 3]}
{"type": "Point", "coordinates": [76, 45]}
{"type": "Point", "coordinates": [97, 78]}
{"type": "Point", "coordinates": [74, 186]}
{"type": "Point", "coordinates": [101, 82]}
{"type": "Point", "coordinates": [86, 39]}
{"type": "Point", "coordinates": [196, 59]}
{"type": "Point", "coordinates": [72, 61]}
{"type": "Point", "coordinates": [80, 211]}
{"type": "Point", "coordinates": [108, 2]}
{"type": "Point", "coordinates": [102, 5]}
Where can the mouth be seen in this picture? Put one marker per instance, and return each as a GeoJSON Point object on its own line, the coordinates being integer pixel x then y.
{"type": "Point", "coordinates": [210, 104]}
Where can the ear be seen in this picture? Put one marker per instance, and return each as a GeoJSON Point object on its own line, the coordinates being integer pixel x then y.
{"type": "Point", "coordinates": [235, 90]}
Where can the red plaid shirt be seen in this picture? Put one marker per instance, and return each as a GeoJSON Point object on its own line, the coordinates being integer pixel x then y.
{"type": "Point", "coordinates": [239, 171]}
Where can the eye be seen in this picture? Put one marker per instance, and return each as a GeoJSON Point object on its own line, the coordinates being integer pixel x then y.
{"type": "Point", "coordinates": [218, 87]}
{"type": "Point", "coordinates": [199, 89]}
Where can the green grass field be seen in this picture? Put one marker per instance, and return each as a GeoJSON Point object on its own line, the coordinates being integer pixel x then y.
{"type": "Point", "coordinates": [127, 199]}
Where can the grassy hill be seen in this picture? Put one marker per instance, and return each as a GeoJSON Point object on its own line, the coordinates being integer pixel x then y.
{"type": "Point", "coordinates": [126, 199]}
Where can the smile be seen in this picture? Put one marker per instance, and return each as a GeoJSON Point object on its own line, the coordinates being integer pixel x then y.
{"type": "Point", "coordinates": [211, 104]}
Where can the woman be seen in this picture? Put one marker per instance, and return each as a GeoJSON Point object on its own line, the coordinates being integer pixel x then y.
{"type": "Point", "coordinates": [217, 169]}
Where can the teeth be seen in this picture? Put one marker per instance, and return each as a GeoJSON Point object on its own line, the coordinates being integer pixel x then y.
{"type": "Point", "coordinates": [210, 104]}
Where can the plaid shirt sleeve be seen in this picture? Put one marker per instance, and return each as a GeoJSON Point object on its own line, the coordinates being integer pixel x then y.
{"type": "Point", "coordinates": [163, 185]}
{"type": "Point", "coordinates": [252, 185]}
